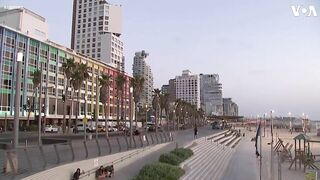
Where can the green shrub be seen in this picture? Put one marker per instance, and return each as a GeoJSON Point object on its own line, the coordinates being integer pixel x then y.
{"type": "Point", "coordinates": [157, 171]}
{"type": "Point", "coordinates": [182, 153]}
{"type": "Point", "coordinates": [170, 158]}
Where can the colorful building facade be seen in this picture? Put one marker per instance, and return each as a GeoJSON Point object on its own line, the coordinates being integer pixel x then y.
{"type": "Point", "coordinates": [49, 57]}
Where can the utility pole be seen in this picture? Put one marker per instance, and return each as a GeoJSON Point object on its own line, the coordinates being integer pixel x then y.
{"type": "Point", "coordinates": [271, 160]}
{"type": "Point", "coordinates": [97, 105]}
{"type": "Point", "coordinates": [40, 106]}
{"type": "Point", "coordinates": [17, 100]}
{"type": "Point", "coordinates": [260, 151]}
{"type": "Point", "coordinates": [131, 117]}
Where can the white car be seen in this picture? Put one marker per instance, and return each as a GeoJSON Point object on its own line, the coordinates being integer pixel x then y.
{"type": "Point", "coordinates": [50, 128]}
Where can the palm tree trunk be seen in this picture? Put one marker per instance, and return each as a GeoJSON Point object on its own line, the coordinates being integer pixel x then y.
{"type": "Point", "coordinates": [118, 108]}
{"type": "Point", "coordinates": [29, 110]}
{"type": "Point", "coordinates": [106, 119]}
{"type": "Point", "coordinates": [70, 113]}
{"type": "Point", "coordinates": [64, 109]}
{"type": "Point", "coordinates": [122, 109]}
{"type": "Point", "coordinates": [78, 104]}
{"type": "Point", "coordinates": [135, 113]}
{"type": "Point", "coordinates": [156, 119]}
{"type": "Point", "coordinates": [160, 116]}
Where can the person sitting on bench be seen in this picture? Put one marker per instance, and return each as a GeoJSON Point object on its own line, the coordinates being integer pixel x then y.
{"type": "Point", "coordinates": [109, 171]}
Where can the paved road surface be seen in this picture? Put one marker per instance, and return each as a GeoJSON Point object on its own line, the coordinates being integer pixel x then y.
{"type": "Point", "coordinates": [243, 165]}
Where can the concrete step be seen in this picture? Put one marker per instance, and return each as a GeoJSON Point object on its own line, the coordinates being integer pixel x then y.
{"type": "Point", "coordinates": [199, 147]}
{"type": "Point", "coordinates": [217, 163]}
{"type": "Point", "coordinates": [235, 143]}
{"type": "Point", "coordinates": [201, 154]}
{"type": "Point", "coordinates": [222, 141]}
{"type": "Point", "coordinates": [217, 134]}
{"type": "Point", "coordinates": [222, 166]}
{"type": "Point", "coordinates": [222, 137]}
{"type": "Point", "coordinates": [214, 164]}
{"type": "Point", "coordinates": [196, 169]}
{"type": "Point", "coordinates": [231, 140]}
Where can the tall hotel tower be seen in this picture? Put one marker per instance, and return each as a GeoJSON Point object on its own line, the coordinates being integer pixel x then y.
{"type": "Point", "coordinates": [96, 31]}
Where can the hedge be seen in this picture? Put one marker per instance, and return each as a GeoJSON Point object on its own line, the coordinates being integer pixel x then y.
{"type": "Point", "coordinates": [182, 153]}
{"type": "Point", "coordinates": [160, 171]}
{"type": "Point", "coordinates": [170, 158]}
{"type": "Point", "coordinates": [167, 168]}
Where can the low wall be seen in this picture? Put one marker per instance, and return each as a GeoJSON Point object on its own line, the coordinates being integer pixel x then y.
{"type": "Point", "coordinates": [66, 171]}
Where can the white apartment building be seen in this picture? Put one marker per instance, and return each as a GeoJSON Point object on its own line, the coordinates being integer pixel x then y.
{"type": "Point", "coordinates": [188, 88]}
{"type": "Point", "coordinates": [230, 108]}
{"type": "Point", "coordinates": [211, 94]}
{"type": "Point", "coordinates": [142, 69]}
{"type": "Point", "coordinates": [96, 31]}
{"type": "Point", "coordinates": [25, 21]}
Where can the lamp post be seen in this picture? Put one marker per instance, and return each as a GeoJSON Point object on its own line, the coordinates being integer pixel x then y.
{"type": "Point", "coordinates": [131, 119]}
{"type": "Point", "coordinates": [146, 117]}
{"type": "Point", "coordinates": [17, 100]}
{"type": "Point", "coordinates": [271, 159]}
{"type": "Point", "coordinates": [265, 123]}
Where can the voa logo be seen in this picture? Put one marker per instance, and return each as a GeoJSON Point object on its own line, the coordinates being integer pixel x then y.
{"type": "Point", "coordinates": [304, 11]}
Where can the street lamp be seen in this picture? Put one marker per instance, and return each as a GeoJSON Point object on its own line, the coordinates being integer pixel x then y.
{"type": "Point", "coordinates": [146, 117]}
{"type": "Point", "coordinates": [131, 121]}
{"type": "Point", "coordinates": [17, 100]}
{"type": "Point", "coordinates": [271, 159]}
{"type": "Point", "coordinates": [265, 123]}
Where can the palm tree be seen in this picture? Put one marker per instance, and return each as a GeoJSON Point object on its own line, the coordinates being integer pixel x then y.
{"type": "Point", "coordinates": [178, 109]}
{"type": "Point", "coordinates": [105, 82]}
{"type": "Point", "coordinates": [68, 68]}
{"type": "Point", "coordinates": [36, 80]}
{"type": "Point", "coordinates": [156, 105]}
{"type": "Point", "coordinates": [167, 108]}
{"type": "Point", "coordinates": [120, 81]}
{"type": "Point", "coordinates": [137, 83]}
{"type": "Point", "coordinates": [78, 76]}
{"type": "Point", "coordinates": [164, 99]}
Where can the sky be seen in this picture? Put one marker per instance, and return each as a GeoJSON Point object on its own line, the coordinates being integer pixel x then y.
{"type": "Point", "coordinates": [267, 58]}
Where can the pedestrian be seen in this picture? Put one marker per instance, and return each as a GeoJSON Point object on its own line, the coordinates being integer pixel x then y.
{"type": "Point", "coordinates": [195, 132]}
{"type": "Point", "coordinates": [76, 175]}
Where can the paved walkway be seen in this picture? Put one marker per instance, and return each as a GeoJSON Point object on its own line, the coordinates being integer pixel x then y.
{"type": "Point", "coordinates": [183, 138]}
{"type": "Point", "coordinates": [243, 165]}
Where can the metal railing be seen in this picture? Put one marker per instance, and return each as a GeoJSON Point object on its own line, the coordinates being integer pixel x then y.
{"type": "Point", "coordinates": [28, 160]}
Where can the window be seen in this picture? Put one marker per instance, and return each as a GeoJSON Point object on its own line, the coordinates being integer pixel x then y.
{"type": "Point", "coordinates": [52, 68]}
{"type": "Point", "coordinates": [52, 79]}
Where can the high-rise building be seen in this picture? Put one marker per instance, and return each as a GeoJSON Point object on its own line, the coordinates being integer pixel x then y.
{"type": "Point", "coordinates": [172, 90]}
{"type": "Point", "coordinates": [165, 89]}
{"type": "Point", "coordinates": [211, 94]}
{"type": "Point", "coordinates": [48, 57]}
{"type": "Point", "coordinates": [25, 21]}
{"type": "Point", "coordinates": [96, 31]}
{"type": "Point", "coordinates": [142, 69]}
{"type": "Point", "coordinates": [230, 108]}
{"type": "Point", "coordinates": [188, 88]}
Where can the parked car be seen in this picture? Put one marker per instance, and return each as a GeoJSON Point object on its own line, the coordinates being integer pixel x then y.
{"type": "Point", "coordinates": [101, 128]}
{"type": "Point", "coordinates": [112, 129]}
{"type": "Point", "coordinates": [50, 128]}
{"type": "Point", "coordinates": [215, 125]}
{"type": "Point", "coordinates": [80, 128]}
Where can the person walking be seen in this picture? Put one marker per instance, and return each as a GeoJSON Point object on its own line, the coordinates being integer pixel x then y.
{"type": "Point", "coordinates": [195, 132]}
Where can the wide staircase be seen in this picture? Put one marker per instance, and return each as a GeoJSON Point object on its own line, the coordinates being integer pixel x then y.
{"type": "Point", "coordinates": [211, 156]}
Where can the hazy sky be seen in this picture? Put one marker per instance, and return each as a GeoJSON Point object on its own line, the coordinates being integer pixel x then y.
{"type": "Point", "coordinates": [267, 58]}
